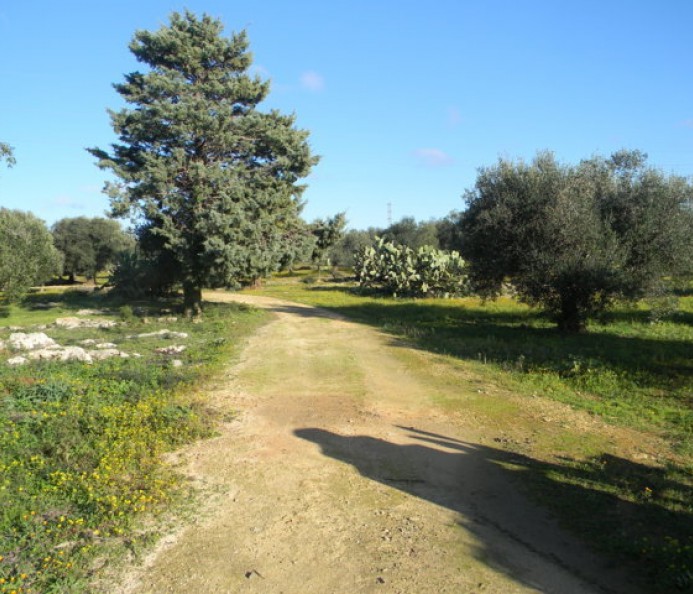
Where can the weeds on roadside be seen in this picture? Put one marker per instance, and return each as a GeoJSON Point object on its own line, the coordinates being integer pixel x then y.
{"type": "Point", "coordinates": [81, 447]}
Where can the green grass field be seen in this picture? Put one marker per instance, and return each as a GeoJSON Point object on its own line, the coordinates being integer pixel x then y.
{"type": "Point", "coordinates": [626, 371]}
{"type": "Point", "coordinates": [80, 445]}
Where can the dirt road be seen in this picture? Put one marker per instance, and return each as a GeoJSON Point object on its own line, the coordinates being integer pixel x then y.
{"type": "Point", "coordinates": [343, 474]}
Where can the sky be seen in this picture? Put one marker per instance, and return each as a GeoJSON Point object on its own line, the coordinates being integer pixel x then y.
{"type": "Point", "coordinates": [404, 100]}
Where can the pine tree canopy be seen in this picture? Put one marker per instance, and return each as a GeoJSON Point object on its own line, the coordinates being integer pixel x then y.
{"type": "Point", "coordinates": [213, 181]}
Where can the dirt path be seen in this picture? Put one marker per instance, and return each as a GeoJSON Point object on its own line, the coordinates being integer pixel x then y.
{"type": "Point", "coordinates": [341, 474]}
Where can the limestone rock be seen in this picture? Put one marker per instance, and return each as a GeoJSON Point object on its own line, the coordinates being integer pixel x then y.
{"type": "Point", "coordinates": [100, 355]}
{"type": "Point", "coordinates": [14, 361]}
{"type": "Point", "coordinates": [171, 350]}
{"type": "Point", "coordinates": [71, 322]}
{"type": "Point", "coordinates": [28, 342]}
{"type": "Point", "coordinates": [71, 353]}
{"type": "Point", "coordinates": [161, 334]}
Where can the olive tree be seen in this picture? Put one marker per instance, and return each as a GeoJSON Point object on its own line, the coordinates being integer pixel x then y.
{"type": "Point", "coordinates": [574, 238]}
{"type": "Point", "coordinates": [89, 245]}
{"type": "Point", "coordinates": [27, 254]}
{"type": "Point", "coordinates": [407, 231]}
{"type": "Point", "coordinates": [343, 253]}
{"type": "Point", "coordinates": [327, 232]}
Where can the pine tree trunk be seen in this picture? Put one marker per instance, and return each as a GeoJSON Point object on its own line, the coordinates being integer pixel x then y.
{"type": "Point", "coordinates": [192, 300]}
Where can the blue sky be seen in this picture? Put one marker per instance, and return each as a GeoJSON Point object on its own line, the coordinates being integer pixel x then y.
{"type": "Point", "coordinates": [404, 99]}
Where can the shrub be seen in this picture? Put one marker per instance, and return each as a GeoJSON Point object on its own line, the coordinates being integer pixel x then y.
{"type": "Point", "coordinates": [401, 271]}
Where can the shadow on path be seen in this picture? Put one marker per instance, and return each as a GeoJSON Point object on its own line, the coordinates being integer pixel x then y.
{"type": "Point", "coordinates": [515, 536]}
{"type": "Point", "coordinates": [305, 311]}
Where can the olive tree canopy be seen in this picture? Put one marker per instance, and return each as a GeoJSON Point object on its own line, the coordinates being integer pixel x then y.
{"type": "Point", "coordinates": [574, 238]}
{"type": "Point", "coordinates": [89, 245]}
{"type": "Point", "coordinates": [27, 254]}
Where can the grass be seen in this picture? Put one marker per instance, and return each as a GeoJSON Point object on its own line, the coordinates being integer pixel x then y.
{"type": "Point", "coordinates": [626, 371]}
{"type": "Point", "coordinates": [81, 445]}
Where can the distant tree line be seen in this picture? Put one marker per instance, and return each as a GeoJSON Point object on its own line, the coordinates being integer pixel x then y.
{"type": "Point", "coordinates": [31, 254]}
{"type": "Point", "coordinates": [440, 234]}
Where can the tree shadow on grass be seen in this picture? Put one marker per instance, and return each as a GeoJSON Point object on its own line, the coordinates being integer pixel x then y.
{"type": "Point", "coordinates": [524, 341]}
{"type": "Point", "coordinates": [89, 297]}
{"type": "Point", "coordinates": [640, 316]}
{"type": "Point", "coordinates": [521, 539]}
{"type": "Point", "coordinates": [73, 298]}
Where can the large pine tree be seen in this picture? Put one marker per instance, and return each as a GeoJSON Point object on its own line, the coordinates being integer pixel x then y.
{"type": "Point", "coordinates": [213, 180]}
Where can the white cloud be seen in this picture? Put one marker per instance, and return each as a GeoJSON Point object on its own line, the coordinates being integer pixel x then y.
{"type": "Point", "coordinates": [433, 157]}
{"type": "Point", "coordinates": [68, 202]}
{"type": "Point", "coordinates": [312, 81]}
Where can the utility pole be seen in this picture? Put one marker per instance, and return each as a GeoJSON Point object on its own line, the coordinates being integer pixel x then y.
{"type": "Point", "coordinates": [389, 214]}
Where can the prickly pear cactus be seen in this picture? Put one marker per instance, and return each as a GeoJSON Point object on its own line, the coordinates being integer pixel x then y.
{"type": "Point", "coordinates": [401, 271]}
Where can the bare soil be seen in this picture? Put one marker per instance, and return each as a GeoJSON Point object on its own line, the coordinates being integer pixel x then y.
{"type": "Point", "coordinates": [342, 472]}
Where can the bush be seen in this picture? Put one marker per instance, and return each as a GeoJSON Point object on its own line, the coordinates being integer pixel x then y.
{"type": "Point", "coordinates": [401, 271]}
{"type": "Point", "coordinates": [82, 474]}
